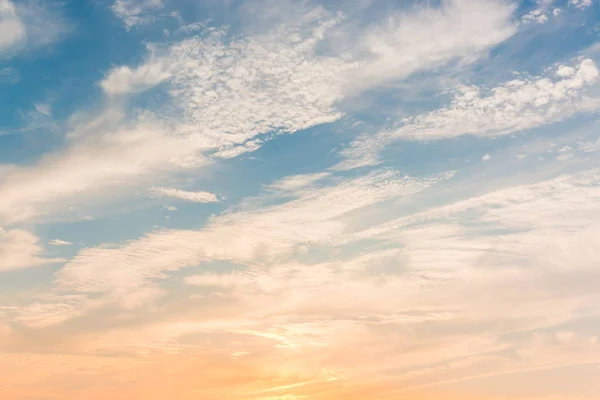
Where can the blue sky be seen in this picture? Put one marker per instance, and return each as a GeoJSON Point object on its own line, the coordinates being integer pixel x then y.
{"type": "Point", "coordinates": [398, 198]}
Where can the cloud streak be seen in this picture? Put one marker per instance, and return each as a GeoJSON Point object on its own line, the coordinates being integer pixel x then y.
{"type": "Point", "coordinates": [513, 107]}
{"type": "Point", "coordinates": [196, 197]}
{"type": "Point", "coordinates": [20, 249]}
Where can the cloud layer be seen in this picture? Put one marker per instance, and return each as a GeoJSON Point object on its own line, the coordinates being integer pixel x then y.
{"type": "Point", "coordinates": [379, 203]}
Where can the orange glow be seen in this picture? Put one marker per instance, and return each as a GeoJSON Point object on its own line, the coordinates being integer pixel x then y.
{"type": "Point", "coordinates": [176, 377]}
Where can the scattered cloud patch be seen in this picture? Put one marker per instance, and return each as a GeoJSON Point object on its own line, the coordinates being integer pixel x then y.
{"type": "Point", "coordinates": [296, 182]}
{"type": "Point", "coordinates": [426, 38]}
{"type": "Point", "coordinates": [94, 160]}
{"type": "Point", "coordinates": [44, 109]}
{"type": "Point", "coordinates": [136, 12]}
{"type": "Point", "coordinates": [59, 242]}
{"type": "Point", "coordinates": [21, 249]}
{"type": "Point", "coordinates": [581, 4]}
{"type": "Point", "coordinates": [263, 233]}
{"type": "Point", "coordinates": [196, 197]}
{"type": "Point", "coordinates": [541, 14]}
{"type": "Point", "coordinates": [515, 106]}
{"type": "Point", "coordinates": [13, 31]}
{"type": "Point", "coordinates": [46, 22]}
{"type": "Point", "coordinates": [30, 24]}
{"type": "Point", "coordinates": [124, 80]}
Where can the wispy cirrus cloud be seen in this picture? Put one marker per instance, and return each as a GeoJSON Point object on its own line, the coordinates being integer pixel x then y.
{"type": "Point", "coordinates": [30, 24]}
{"type": "Point", "coordinates": [439, 36]}
{"type": "Point", "coordinates": [513, 107]}
{"type": "Point", "coordinates": [581, 4]}
{"type": "Point", "coordinates": [59, 242]}
{"type": "Point", "coordinates": [136, 12]}
{"type": "Point", "coordinates": [21, 249]}
{"type": "Point", "coordinates": [12, 28]}
{"type": "Point", "coordinates": [265, 234]}
{"type": "Point", "coordinates": [196, 197]}
{"type": "Point", "coordinates": [298, 182]}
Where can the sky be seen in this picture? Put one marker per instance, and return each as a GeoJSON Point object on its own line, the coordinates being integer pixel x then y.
{"type": "Point", "coordinates": [299, 199]}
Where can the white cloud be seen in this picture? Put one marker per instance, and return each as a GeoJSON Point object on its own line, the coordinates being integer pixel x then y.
{"type": "Point", "coordinates": [124, 80]}
{"type": "Point", "coordinates": [545, 9]}
{"type": "Point", "coordinates": [228, 95]}
{"type": "Point", "coordinates": [539, 205]}
{"type": "Point", "coordinates": [501, 270]}
{"type": "Point", "coordinates": [227, 92]}
{"type": "Point", "coordinates": [427, 38]}
{"type": "Point", "coordinates": [21, 249]}
{"type": "Point", "coordinates": [30, 24]}
{"type": "Point", "coordinates": [298, 182]}
{"type": "Point", "coordinates": [58, 242]}
{"type": "Point", "coordinates": [105, 153]}
{"type": "Point", "coordinates": [276, 81]}
{"type": "Point", "coordinates": [488, 269]}
{"type": "Point", "coordinates": [235, 90]}
{"type": "Point", "coordinates": [197, 197]}
{"type": "Point", "coordinates": [136, 12]}
{"type": "Point", "coordinates": [538, 15]}
{"type": "Point", "coordinates": [266, 233]}
{"type": "Point", "coordinates": [44, 109]}
{"type": "Point", "coordinates": [12, 29]}
{"type": "Point", "coordinates": [45, 21]}
{"type": "Point", "coordinates": [486, 157]}
{"type": "Point", "coordinates": [590, 147]}
{"type": "Point", "coordinates": [541, 13]}
{"type": "Point", "coordinates": [43, 314]}
{"type": "Point", "coordinates": [322, 263]}
{"type": "Point", "coordinates": [581, 4]}
{"type": "Point", "coordinates": [565, 71]}
{"type": "Point", "coordinates": [515, 106]}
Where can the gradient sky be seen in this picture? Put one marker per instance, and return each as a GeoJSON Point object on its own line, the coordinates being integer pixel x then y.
{"type": "Point", "coordinates": [298, 199]}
